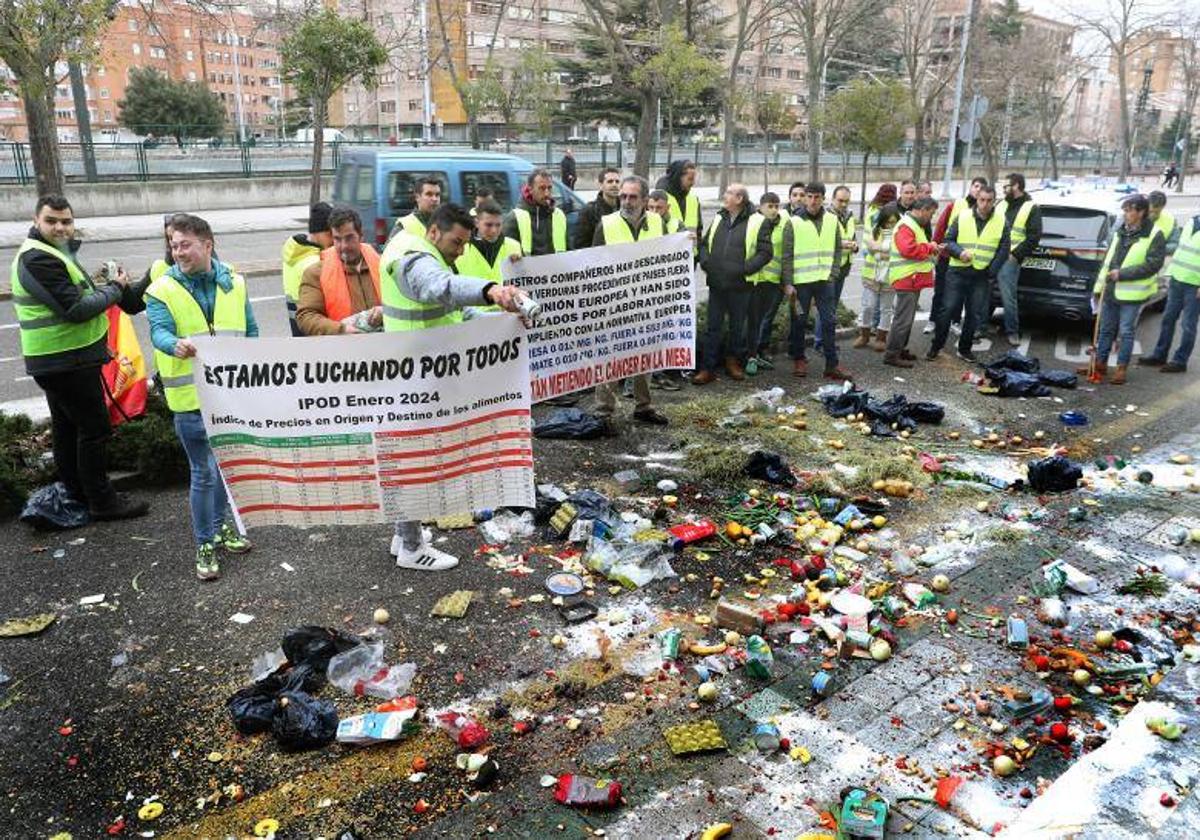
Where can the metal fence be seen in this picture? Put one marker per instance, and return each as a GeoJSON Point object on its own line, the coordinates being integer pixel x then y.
{"type": "Point", "coordinates": [168, 161]}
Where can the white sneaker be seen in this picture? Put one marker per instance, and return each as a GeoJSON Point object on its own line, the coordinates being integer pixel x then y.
{"type": "Point", "coordinates": [394, 549]}
{"type": "Point", "coordinates": [425, 558]}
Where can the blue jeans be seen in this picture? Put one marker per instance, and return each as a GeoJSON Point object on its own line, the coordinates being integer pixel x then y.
{"type": "Point", "coordinates": [208, 499]}
{"type": "Point", "coordinates": [1118, 321]}
{"type": "Point", "coordinates": [1182, 299]}
{"type": "Point", "coordinates": [731, 304]}
{"type": "Point", "coordinates": [764, 303]}
{"type": "Point", "coordinates": [838, 285]}
{"type": "Point", "coordinates": [1009, 274]}
{"type": "Point", "coordinates": [822, 294]}
{"type": "Point", "coordinates": [962, 292]}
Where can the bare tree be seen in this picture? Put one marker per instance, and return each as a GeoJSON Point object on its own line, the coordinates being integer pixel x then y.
{"type": "Point", "coordinates": [1124, 27]}
{"type": "Point", "coordinates": [1051, 75]}
{"type": "Point", "coordinates": [1187, 28]}
{"type": "Point", "coordinates": [823, 27]}
{"type": "Point", "coordinates": [750, 19]}
{"type": "Point", "coordinates": [925, 71]}
{"type": "Point", "coordinates": [474, 94]}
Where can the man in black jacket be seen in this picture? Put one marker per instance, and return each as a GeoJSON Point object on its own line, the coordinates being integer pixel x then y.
{"type": "Point", "coordinates": [64, 339]}
{"type": "Point", "coordinates": [566, 168]}
{"type": "Point", "coordinates": [727, 261]}
{"type": "Point", "coordinates": [605, 202]}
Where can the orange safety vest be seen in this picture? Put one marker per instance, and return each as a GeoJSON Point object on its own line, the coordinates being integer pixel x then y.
{"type": "Point", "coordinates": [334, 285]}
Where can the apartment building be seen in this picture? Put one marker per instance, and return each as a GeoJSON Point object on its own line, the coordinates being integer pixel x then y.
{"type": "Point", "coordinates": [232, 52]}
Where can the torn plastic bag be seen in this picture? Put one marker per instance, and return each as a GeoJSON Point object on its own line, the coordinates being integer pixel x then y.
{"type": "Point", "coordinates": [926, 412]}
{"type": "Point", "coordinates": [1011, 383]}
{"type": "Point", "coordinates": [882, 429]}
{"type": "Point", "coordinates": [1058, 378]}
{"type": "Point", "coordinates": [572, 423]}
{"type": "Point", "coordinates": [1015, 360]}
{"type": "Point", "coordinates": [767, 466]}
{"type": "Point", "coordinates": [314, 646]}
{"type": "Point", "coordinates": [845, 403]}
{"type": "Point", "coordinates": [50, 508]}
{"type": "Point", "coordinates": [592, 505]}
{"type": "Point", "coordinates": [1054, 474]}
{"type": "Point", "coordinates": [302, 722]}
{"type": "Point", "coordinates": [890, 410]}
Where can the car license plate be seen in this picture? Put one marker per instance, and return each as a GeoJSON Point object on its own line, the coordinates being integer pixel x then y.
{"type": "Point", "coordinates": [1038, 263]}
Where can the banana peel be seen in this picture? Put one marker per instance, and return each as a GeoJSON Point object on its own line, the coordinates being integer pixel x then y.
{"type": "Point", "coordinates": [708, 650]}
{"type": "Point", "coordinates": [716, 831]}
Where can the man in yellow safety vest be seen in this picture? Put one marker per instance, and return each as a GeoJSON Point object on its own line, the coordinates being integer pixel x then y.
{"type": "Point", "coordinates": [535, 222]}
{"type": "Point", "coordinates": [299, 253]}
{"type": "Point", "coordinates": [1183, 299]}
{"type": "Point", "coordinates": [427, 195]}
{"type": "Point", "coordinates": [1128, 278]}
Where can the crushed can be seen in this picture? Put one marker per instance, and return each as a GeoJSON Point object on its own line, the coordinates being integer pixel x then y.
{"type": "Point", "coordinates": [1017, 636]}
{"type": "Point", "coordinates": [766, 737]}
{"type": "Point", "coordinates": [822, 684]}
{"type": "Point", "coordinates": [668, 643]}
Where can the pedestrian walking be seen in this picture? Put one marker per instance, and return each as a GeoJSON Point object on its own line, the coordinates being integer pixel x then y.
{"type": "Point", "coordinates": [1127, 279]}
{"type": "Point", "coordinates": [422, 291]}
{"type": "Point", "coordinates": [766, 292]}
{"type": "Point", "coordinates": [1183, 304]}
{"type": "Point", "coordinates": [630, 224]}
{"type": "Point", "coordinates": [299, 253]}
{"type": "Point", "coordinates": [566, 169]}
{"type": "Point", "coordinates": [199, 295]}
{"type": "Point", "coordinates": [910, 269]}
{"type": "Point", "coordinates": [607, 201]}
{"type": "Point", "coordinates": [878, 296]}
{"type": "Point", "coordinates": [974, 245]}
{"type": "Point", "coordinates": [735, 247]}
{"type": "Point", "coordinates": [539, 226]}
{"type": "Point", "coordinates": [427, 195]}
{"type": "Point", "coordinates": [1170, 175]}
{"type": "Point", "coordinates": [848, 231]}
{"type": "Point", "coordinates": [810, 269]}
{"type": "Point", "coordinates": [1024, 220]}
{"type": "Point", "coordinates": [340, 294]}
{"type": "Point", "coordinates": [62, 316]}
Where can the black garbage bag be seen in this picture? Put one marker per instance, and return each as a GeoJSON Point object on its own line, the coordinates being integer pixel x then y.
{"type": "Point", "coordinates": [890, 410]}
{"type": "Point", "coordinates": [1058, 378]}
{"type": "Point", "coordinates": [926, 412]}
{"type": "Point", "coordinates": [845, 403]}
{"type": "Point", "coordinates": [1011, 383]}
{"type": "Point", "coordinates": [313, 647]}
{"type": "Point", "coordinates": [1015, 360]}
{"type": "Point", "coordinates": [881, 429]}
{"type": "Point", "coordinates": [49, 508]}
{"type": "Point", "coordinates": [570, 423]}
{"type": "Point", "coordinates": [302, 722]}
{"type": "Point", "coordinates": [1054, 474]}
{"type": "Point", "coordinates": [769, 467]}
{"type": "Point", "coordinates": [592, 505]}
{"type": "Point", "coordinates": [253, 707]}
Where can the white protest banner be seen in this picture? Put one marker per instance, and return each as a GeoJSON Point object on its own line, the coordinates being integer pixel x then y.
{"type": "Point", "coordinates": [609, 312]}
{"type": "Point", "coordinates": [346, 430]}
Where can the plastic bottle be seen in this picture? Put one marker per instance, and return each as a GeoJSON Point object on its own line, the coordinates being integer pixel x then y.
{"type": "Point", "coordinates": [759, 658]}
{"type": "Point", "coordinates": [691, 532]}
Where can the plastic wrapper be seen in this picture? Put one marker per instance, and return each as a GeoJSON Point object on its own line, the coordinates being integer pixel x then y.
{"type": "Point", "coordinates": [505, 526]}
{"type": "Point", "coordinates": [760, 402]}
{"type": "Point", "coordinates": [1015, 360]}
{"type": "Point", "coordinates": [468, 733]}
{"type": "Point", "coordinates": [315, 646]}
{"type": "Point", "coordinates": [49, 508]}
{"type": "Point", "coordinates": [1011, 383]}
{"type": "Point", "coordinates": [302, 722]}
{"type": "Point", "coordinates": [587, 792]}
{"type": "Point", "coordinates": [362, 671]}
{"type": "Point", "coordinates": [570, 423]}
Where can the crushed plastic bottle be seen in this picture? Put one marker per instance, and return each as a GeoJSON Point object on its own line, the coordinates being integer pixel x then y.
{"type": "Point", "coordinates": [469, 734]}
{"type": "Point", "coordinates": [266, 663]}
{"type": "Point", "coordinates": [361, 670]}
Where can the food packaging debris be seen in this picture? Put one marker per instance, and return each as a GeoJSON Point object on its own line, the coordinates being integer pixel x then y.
{"type": "Point", "coordinates": [1017, 635]}
{"type": "Point", "coordinates": [564, 583]}
{"type": "Point", "coordinates": [361, 670]}
{"type": "Point", "coordinates": [740, 617]}
{"type": "Point", "coordinates": [766, 737]}
{"type": "Point", "coordinates": [377, 727]}
{"type": "Point", "coordinates": [453, 605]}
{"type": "Point", "coordinates": [91, 600]}
{"type": "Point", "coordinates": [241, 618]}
{"type": "Point", "coordinates": [700, 736]}
{"type": "Point", "coordinates": [586, 792]}
{"type": "Point", "coordinates": [850, 603]}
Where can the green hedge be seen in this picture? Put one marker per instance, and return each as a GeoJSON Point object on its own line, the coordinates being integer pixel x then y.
{"type": "Point", "coordinates": [148, 445]}
{"type": "Point", "coordinates": [22, 467]}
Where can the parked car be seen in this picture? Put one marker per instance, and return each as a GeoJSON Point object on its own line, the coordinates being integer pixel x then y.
{"type": "Point", "coordinates": [378, 182]}
{"type": "Point", "coordinates": [1057, 277]}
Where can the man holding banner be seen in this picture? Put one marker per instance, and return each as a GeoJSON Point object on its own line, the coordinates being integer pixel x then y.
{"type": "Point", "coordinates": [422, 291]}
{"type": "Point", "coordinates": [631, 224]}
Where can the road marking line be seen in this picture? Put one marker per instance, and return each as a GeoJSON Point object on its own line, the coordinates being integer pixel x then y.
{"type": "Point", "coordinates": [9, 326]}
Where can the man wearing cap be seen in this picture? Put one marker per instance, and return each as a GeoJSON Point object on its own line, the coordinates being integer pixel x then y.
{"type": "Point", "coordinates": [299, 253]}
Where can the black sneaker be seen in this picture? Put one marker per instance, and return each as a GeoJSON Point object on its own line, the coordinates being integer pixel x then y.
{"type": "Point", "coordinates": [120, 506]}
{"type": "Point", "coordinates": [1150, 361]}
{"type": "Point", "coordinates": [967, 356]}
{"type": "Point", "coordinates": [652, 416]}
{"type": "Point", "coordinates": [932, 355]}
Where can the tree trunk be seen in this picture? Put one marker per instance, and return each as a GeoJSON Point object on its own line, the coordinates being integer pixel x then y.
{"type": "Point", "coordinates": [38, 98]}
{"type": "Point", "coordinates": [645, 133]}
{"type": "Point", "coordinates": [473, 128]}
{"type": "Point", "coordinates": [766, 163]}
{"type": "Point", "coordinates": [671, 132]}
{"type": "Point", "coordinates": [1124, 132]}
{"type": "Point", "coordinates": [726, 142]}
{"type": "Point", "coordinates": [314, 190]}
{"type": "Point", "coordinates": [1049, 137]}
{"type": "Point", "coordinates": [918, 146]}
{"type": "Point", "coordinates": [862, 195]}
{"type": "Point", "coordinates": [814, 136]}
{"type": "Point", "coordinates": [1185, 155]}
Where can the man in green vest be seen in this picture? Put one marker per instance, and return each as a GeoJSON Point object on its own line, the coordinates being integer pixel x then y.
{"type": "Point", "coordinates": [1128, 278]}
{"type": "Point", "coordinates": [795, 199]}
{"type": "Point", "coordinates": [848, 231]}
{"type": "Point", "coordinates": [1024, 220]}
{"type": "Point", "coordinates": [811, 263]}
{"type": "Point", "coordinates": [678, 183]}
{"type": "Point", "coordinates": [422, 291]}
{"type": "Point", "coordinates": [765, 289]}
{"type": "Point", "coordinates": [1183, 299]}
{"type": "Point", "coordinates": [658, 205]}
{"type": "Point", "coordinates": [630, 224]}
{"type": "Point", "coordinates": [975, 242]}
{"type": "Point", "coordinates": [63, 319]}
{"type": "Point", "coordinates": [484, 256]}
{"type": "Point", "coordinates": [535, 222]}
{"type": "Point", "coordinates": [427, 195]}
{"type": "Point", "coordinates": [1163, 220]}
{"type": "Point", "coordinates": [301, 252]}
